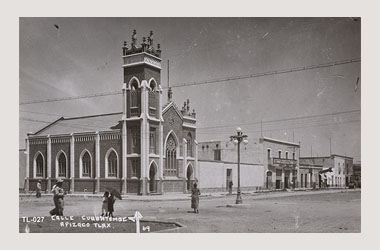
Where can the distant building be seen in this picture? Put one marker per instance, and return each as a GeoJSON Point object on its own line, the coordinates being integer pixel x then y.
{"type": "Point", "coordinates": [310, 175]}
{"type": "Point", "coordinates": [281, 165]}
{"type": "Point", "coordinates": [339, 165]}
{"type": "Point", "coordinates": [266, 163]}
{"type": "Point", "coordinates": [357, 174]}
{"type": "Point", "coordinates": [149, 147]}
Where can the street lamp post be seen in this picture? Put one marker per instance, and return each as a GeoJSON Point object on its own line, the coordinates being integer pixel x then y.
{"type": "Point", "coordinates": [237, 139]}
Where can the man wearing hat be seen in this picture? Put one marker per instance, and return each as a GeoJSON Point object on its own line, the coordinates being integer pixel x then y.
{"type": "Point", "coordinates": [38, 189]}
{"type": "Point", "coordinates": [58, 193]}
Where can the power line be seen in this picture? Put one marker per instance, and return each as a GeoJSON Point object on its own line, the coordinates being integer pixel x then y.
{"type": "Point", "coordinates": [281, 120]}
{"type": "Point", "coordinates": [226, 79]}
{"type": "Point", "coordinates": [269, 73]}
{"type": "Point", "coordinates": [284, 129]}
{"type": "Point", "coordinates": [73, 97]}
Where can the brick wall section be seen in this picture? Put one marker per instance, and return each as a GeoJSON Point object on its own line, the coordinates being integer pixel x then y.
{"type": "Point", "coordinates": [177, 126]}
{"type": "Point", "coordinates": [133, 186]}
{"type": "Point", "coordinates": [33, 185]}
{"type": "Point", "coordinates": [142, 73]}
{"type": "Point", "coordinates": [173, 186]}
{"type": "Point", "coordinates": [106, 184]}
{"type": "Point", "coordinates": [82, 184]}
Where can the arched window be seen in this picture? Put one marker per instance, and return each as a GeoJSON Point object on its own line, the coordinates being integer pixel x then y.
{"type": "Point", "coordinates": [152, 84]}
{"type": "Point", "coordinates": [112, 164]}
{"type": "Point", "coordinates": [135, 96]}
{"type": "Point", "coordinates": [189, 145]}
{"type": "Point", "coordinates": [39, 166]}
{"type": "Point", "coordinates": [86, 164]}
{"type": "Point", "coordinates": [134, 85]}
{"type": "Point", "coordinates": [279, 154]}
{"type": "Point", "coordinates": [171, 157]}
{"type": "Point", "coordinates": [62, 165]}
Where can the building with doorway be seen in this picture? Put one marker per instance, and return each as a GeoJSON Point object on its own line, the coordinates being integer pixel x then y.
{"type": "Point", "coordinates": [149, 147]}
{"type": "Point", "coordinates": [338, 164]}
{"type": "Point", "coordinates": [310, 175]}
{"type": "Point", "coordinates": [217, 166]}
{"type": "Point", "coordinates": [266, 163]}
{"type": "Point", "coordinates": [281, 164]}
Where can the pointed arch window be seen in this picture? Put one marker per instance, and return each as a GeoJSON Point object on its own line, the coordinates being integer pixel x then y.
{"type": "Point", "coordinates": [171, 157]}
{"type": "Point", "coordinates": [39, 166]}
{"type": "Point", "coordinates": [62, 165]}
{"type": "Point", "coordinates": [86, 165]}
{"type": "Point", "coordinates": [112, 164]}
{"type": "Point", "coordinates": [135, 96]}
{"type": "Point", "coordinates": [189, 145]}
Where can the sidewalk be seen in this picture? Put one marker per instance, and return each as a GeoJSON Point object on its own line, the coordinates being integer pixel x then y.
{"type": "Point", "coordinates": [212, 195]}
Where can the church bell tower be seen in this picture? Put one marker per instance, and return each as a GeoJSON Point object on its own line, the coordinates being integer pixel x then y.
{"type": "Point", "coordinates": [142, 117]}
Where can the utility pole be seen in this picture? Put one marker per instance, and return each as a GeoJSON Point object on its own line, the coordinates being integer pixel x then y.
{"type": "Point", "coordinates": [330, 146]}
{"type": "Point", "coordinates": [261, 127]}
{"type": "Point", "coordinates": [293, 136]}
{"type": "Point", "coordinates": [237, 139]}
{"type": "Point", "coordinates": [168, 74]}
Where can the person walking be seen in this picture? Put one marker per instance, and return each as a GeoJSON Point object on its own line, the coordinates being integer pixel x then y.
{"type": "Point", "coordinates": [105, 203]}
{"type": "Point", "coordinates": [111, 201]}
{"type": "Point", "coordinates": [58, 193]}
{"type": "Point", "coordinates": [195, 198]}
{"type": "Point", "coordinates": [38, 189]}
{"type": "Point", "coordinates": [230, 184]}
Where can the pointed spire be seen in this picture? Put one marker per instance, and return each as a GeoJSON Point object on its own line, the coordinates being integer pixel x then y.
{"type": "Point", "coordinates": [170, 94]}
{"type": "Point", "coordinates": [134, 38]}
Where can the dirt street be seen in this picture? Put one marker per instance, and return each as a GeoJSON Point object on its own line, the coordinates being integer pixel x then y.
{"type": "Point", "coordinates": [317, 212]}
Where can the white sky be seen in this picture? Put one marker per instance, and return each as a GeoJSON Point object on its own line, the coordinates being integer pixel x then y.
{"type": "Point", "coordinates": [83, 56]}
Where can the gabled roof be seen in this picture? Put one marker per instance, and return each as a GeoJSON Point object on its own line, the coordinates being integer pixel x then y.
{"type": "Point", "coordinates": [102, 122]}
{"type": "Point", "coordinates": [168, 106]}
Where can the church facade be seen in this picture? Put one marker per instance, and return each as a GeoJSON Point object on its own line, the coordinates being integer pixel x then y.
{"type": "Point", "coordinates": [149, 147]}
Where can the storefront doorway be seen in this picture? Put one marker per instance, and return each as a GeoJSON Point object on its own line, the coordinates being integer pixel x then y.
{"type": "Point", "coordinates": [269, 180]}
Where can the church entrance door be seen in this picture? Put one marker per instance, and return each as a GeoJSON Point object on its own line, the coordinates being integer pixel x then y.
{"type": "Point", "coordinates": [189, 173]}
{"type": "Point", "coordinates": [152, 177]}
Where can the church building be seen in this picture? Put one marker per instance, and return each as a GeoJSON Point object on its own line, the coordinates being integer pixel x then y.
{"type": "Point", "coordinates": [149, 147]}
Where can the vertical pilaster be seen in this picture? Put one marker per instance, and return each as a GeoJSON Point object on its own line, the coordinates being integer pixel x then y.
{"type": "Point", "coordinates": [196, 167]}
{"type": "Point", "coordinates": [97, 161]}
{"type": "Point", "coordinates": [298, 177]}
{"type": "Point", "coordinates": [184, 164]}
{"type": "Point", "coordinates": [283, 179]}
{"type": "Point", "coordinates": [144, 156]}
{"type": "Point", "coordinates": [160, 143]}
{"type": "Point", "coordinates": [26, 184]}
{"type": "Point", "coordinates": [124, 141]}
{"type": "Point", "coordinates": [48, 164]}
{"type": "Point", "coordinates": [72, 163]}
{"type": "Point", "coordinates": [291, 178]}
